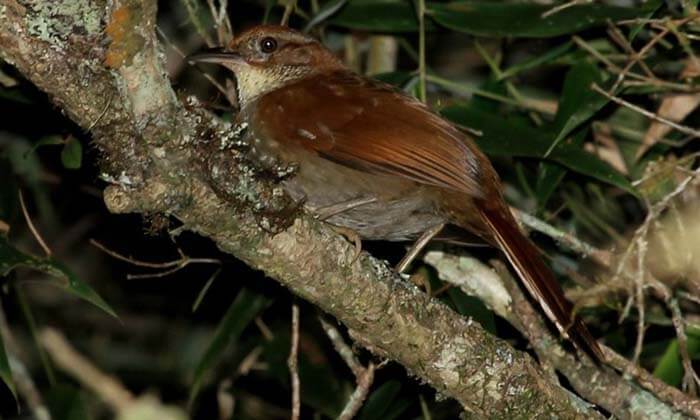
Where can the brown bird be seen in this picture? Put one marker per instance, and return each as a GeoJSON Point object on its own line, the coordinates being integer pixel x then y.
{"type": "Point", "coordinates": [376, 161]}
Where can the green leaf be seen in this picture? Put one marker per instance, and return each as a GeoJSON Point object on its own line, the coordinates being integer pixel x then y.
{"type": "Point", "coordinates": [242, 311]}
{"type": "Point", "coordinates": [500, 18]}
{"type": "Point", "coordinates": [10, 257]}
{"type": "Point", "coordinates": [502, 136]}
{"type": "Point", "coordinates": [64, 278]}
{"type": "Point", "coordinates": [200, 296]}
{"type": "Point", "coordinates": [577, 104]}
{"type": "Point", "coordinates": [537, 61]}
{"type": "Point", "coordinates": [52, 140]}
{"type": "Point", "coordinates": [380, 405]}
{"type": "Point", "coordinates": [5, 371]}
{"type": "Point", "coordinates": [328, 10]}
{"type": "Point", "coordinates": [60, 275]}
{"type": "Point", "coordinates": [377, 15]}
{"type": "Point", "coordinates": [670, 367]}
{"type": "Point", "coordinates": [576, 94]}
{"type": "Point", "coordinates": [15, 95]}
{"type": "Point", "coordinates": [72, 154]}
{"type": "Point", "coordinates": [634, 31]}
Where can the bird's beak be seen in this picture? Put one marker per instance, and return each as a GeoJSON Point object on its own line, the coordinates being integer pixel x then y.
{"type": "Point", "coordinates": [216, 56]}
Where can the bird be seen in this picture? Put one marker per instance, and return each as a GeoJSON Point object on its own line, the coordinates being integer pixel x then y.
{"type": "Point", "coordinates": [375, 160]}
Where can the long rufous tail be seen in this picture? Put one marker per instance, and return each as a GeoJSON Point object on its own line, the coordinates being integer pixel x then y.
{"type": "Point", "coordinates": [538, 278]}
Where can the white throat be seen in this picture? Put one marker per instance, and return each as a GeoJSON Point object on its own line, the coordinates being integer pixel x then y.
{"type": "Point", "coordinates": [255, 81]}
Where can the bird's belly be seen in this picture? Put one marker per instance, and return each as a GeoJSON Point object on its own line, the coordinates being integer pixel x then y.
{"type": "Point", "coordinates": [374, 206]}
{"type": "Point", "coordinates": [399, 210]}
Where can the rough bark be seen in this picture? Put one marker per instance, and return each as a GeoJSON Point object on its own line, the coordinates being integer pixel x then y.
{"type": "Point", "coordinates": [99, 62]}
{"type": "Point", "coordinates": [595, 382]}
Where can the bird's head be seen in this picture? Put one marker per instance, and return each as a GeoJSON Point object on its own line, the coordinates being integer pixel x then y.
{"type": "Point", "coordinates": [267, 57]}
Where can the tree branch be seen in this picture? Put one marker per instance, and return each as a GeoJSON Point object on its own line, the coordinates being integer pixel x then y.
{"type": "Point", "coordinates": [594, 382]}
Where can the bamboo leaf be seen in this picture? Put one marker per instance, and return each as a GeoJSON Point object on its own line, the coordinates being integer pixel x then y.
{"type": "Point", "coordinates": [242, 311]}
{"type": "Point", "coordinates": [501, 18]}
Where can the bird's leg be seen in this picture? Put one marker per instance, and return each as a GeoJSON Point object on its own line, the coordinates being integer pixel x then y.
{"type": "Point", "coordinates": [325, 213]}
{"type": "Point", "coordinates": [418, 247]}
{"type": "Point", "coordinates": [280, 215]}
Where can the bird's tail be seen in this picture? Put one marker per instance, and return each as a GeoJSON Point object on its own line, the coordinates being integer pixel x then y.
{"type": "Point", "coordinates": [538, 278]}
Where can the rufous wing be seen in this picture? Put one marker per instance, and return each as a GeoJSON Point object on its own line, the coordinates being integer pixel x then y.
{"type": "Point", "coordinates": [368, 125]}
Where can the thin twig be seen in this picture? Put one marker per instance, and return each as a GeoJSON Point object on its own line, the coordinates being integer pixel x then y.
{"type": "Point", "coordinates": [205, 289]}
{"type": "Point", "coordinates": [639, 297]}
{"type": "Point", "coordinates": [191, 7]}
{"type": "Point", "coordinates": [264, 329]}
{"type": "Point", "coordinates": [682, 128]}
{"type": "Point", "coordinates": [682, 38]}
{"type": "Point", "coordinates": [288, 8]}
{"type": "Point", "coordinates": [32, 228]}
{"type": "Point", "coordinates": [221, 22]}
{"type": "Point", "coordinates": [364, 383]}
{"type": "Point", "coordinates": [20, 375]}
{"type": "Point", "coordinates": [292, 363]}
{"type": "Point", "coordinates": [230, 97]}
{"type": "Point", "coordinates": [690, 377]}
{"type": "Point", "coordinates": [595, 53]}
{"type": "Point", "coordinates": [602, 257]}
{"type": "Point", "coordinates": [424, 408]}
{"type": "Point", "coordinates": [225, 400]}
{"type": "Point", "coordinates": [636, 57]}
{"type": "Point", "coordinates": [107, 387]}
{"type": "Point", "coordinates": [147, 264]}
{"type": "Point", "coordinates": [342, 347]}
{"type": "Point", "coordinates": [102, 114]}
{"type": "Point", "coordinates": [363, 376]}
{"type": "Point", "coordinates": [617, 70]}
{"type": "Point", "coordinates": [172, 266]}
{"type": "Point", "coordinates": [674, 397]}
{"type": "Point", "coordinates": [652, 21]}
{"type": "Point", "coordinates": [639, 276]}
{"type": "Point", "coordinates": [27, 388]}
{"type": "Point", "coordinates": [652, 214]}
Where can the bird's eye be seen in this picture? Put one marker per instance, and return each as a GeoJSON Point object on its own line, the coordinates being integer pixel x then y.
{"type": "Point", "coordinates": [268, 45]}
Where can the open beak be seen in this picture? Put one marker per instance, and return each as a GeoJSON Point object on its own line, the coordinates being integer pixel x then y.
{"type": "Point", "coordinates": [216, 56]}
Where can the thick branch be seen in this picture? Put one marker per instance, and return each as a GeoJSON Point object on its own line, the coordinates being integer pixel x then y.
{"type": "Point", "coordinates": [596, 383]}
{"type": "Point", "coordinates": [165, 157]}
